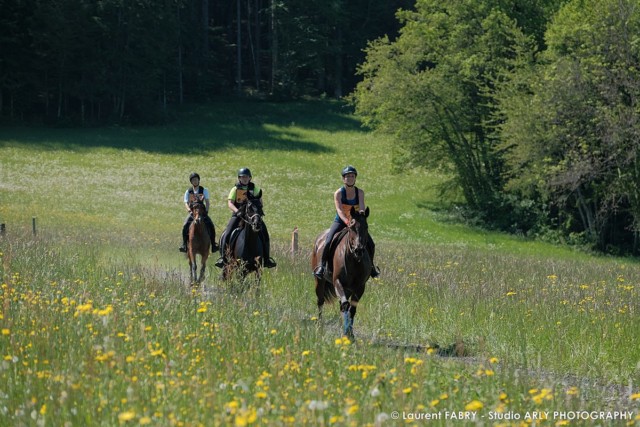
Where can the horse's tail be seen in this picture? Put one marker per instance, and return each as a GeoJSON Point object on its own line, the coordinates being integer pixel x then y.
{"type": "Point", "coordinates": [329, 291]}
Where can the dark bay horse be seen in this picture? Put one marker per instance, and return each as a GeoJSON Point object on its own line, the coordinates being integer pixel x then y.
{"type": "Point", "coordinates": [348, 271]}
{"type": "Point", "coordinates": [199, 241]}
{"type": "Point", "coordinates": [245, 245]}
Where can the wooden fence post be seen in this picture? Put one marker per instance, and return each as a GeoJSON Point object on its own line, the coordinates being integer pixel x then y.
{"type": "Point", "coordinates": [3, 228]}
{"type": "Point", "coordinates": [33, 223]}
{"type": "Point", "coordinates": [294, 242]}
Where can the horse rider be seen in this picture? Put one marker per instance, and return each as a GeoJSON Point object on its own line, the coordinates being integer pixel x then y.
{"type": "Point", "coordinates": [243, 190]}
{"type": "Point", "coordinates": [346, 197]}
{"type": "Point", "coordinates": [201, 193]}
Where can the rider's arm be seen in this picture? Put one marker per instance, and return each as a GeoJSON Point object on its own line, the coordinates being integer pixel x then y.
{"type": "Point", "coordinates": [337, 199]}
{"type": "Point", "coordinates": [231, 200]}
{"type": "Point", "coordinates": [362, 203]}
{"type": "Point", "coordinates": [232, 206]}
{"type": "Point", "coordinates": [206, 199]}
{"type": "Point", "coordinates": [186, 201]}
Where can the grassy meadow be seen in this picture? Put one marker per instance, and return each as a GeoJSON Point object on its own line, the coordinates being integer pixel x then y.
{"type": "Point", "coordinates": [100, 327]}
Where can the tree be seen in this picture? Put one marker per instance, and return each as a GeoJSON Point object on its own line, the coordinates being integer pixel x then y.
{"type": "Point", "coordinates": [433, 90]}
{"type": "Point", "coordinates": [571, 122]}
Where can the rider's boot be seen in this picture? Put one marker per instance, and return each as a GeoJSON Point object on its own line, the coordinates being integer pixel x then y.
{"type": "Point", "coordinates": [266, 250]}
{"type": "Point", "coordinates": [223, 245]}
{"type": "Point", "coordinates": [322, 269]}
{"type": "Point", "coordinates": [212, 237]}
{"type": "Point", "coordinates": [185, 238]}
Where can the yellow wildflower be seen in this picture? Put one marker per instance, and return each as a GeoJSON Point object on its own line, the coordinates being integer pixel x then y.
{"type": "Point", "coordinates": [474, 405]}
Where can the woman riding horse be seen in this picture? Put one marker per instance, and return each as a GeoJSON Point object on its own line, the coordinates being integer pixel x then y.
{"type": "Point", "coordinates": [351, 268]}
{"type": "Point", "coordinates": [239, 195]}
{"type": "Point", "coordinates": [202, 194]}
{"type": "Point", "coordinates": [246, 253]}
{"type": "Point", "coordinates": [346, 197]}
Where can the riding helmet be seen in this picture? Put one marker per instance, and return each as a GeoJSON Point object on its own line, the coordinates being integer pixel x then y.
{"type": "Point", "coordinates": [349, 169]}
{"type": "Point", "coordinates": [244, 171]}
{"type": "Point", "coordinates": [194, 175]}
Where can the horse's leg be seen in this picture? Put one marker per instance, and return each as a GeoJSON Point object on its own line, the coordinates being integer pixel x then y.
{"type": "Point", "coordinates": [190, 266]}
{"type": "Point", "coordinates": [353, 307]}
{"type": "Point", "coordinates": [347, 321]}
{"type": "Point", "coordinates": [204, 265]}
{"type": "Point", "coordinates": [337, 284]}
{"type": "Point", "coordinates": [320, 295]}
{"type": "Point", "coordinates": [194, 271]}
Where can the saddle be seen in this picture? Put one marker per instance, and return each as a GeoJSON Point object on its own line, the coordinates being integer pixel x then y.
{"type": "Point", "coordinates": [232, 239]}
{"type": "Point", "coordinates": [337, 238]}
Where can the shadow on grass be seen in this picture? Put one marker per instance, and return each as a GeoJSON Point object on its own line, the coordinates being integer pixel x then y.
{"type": "Point", "coordinates": [204, 129]}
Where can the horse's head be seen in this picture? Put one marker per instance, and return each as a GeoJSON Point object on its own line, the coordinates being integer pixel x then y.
{"type": "Point", "coordinates": [253, 214]}
{"type": "Point", "coordinates": [198, 210]}
{"type": "Point", "coordinates": [358, 232]}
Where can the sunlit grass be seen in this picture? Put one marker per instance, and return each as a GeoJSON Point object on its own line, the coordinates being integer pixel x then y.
{"type": "Point", "coordinates": [107, 345]}
{"type": "Point", "coordinates": [97, 326]}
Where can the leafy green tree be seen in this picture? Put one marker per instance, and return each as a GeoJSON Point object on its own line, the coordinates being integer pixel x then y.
{"type": "Point", "coordinates": [571, 129]}
{"type": "Point", "coordinates": [433, 87]}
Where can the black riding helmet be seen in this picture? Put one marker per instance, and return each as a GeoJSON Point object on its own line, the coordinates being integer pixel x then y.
{"type": "Point", "coordinates": [349, 169]}
{"type": "Point", "coordinates": [194, 175]}
{"type": "Point", "coordinates": [244, 171]}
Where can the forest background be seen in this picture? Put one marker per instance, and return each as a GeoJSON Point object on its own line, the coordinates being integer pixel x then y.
{"type": "Point", "coordinates": [529, 107]}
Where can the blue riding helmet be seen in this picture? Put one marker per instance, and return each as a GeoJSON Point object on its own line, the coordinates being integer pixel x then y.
{"type": "Point", "coordinates": [244, 171]}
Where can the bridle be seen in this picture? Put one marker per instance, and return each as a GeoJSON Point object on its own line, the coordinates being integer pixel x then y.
{"type": "Point", "coordinates": [197, 209]}
{"type": "Point", "coordinates": [356, 249]}
{"type": "Point", "coordinates": [253, 219]}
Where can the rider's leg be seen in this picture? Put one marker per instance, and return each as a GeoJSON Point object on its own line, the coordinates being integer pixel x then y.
{"type": "Point", "coordinates": [266, 248]}
{"type": "Point", "coordinates": [371, 248]}
{"type": "Point", "coordinates": [231, 225]}
{"type": "Point", "coordinates": [212, 233]}
{"type": "Point", "coordinates": [335, 227]}
{"type": "Point", "coordinates": [185, 233]}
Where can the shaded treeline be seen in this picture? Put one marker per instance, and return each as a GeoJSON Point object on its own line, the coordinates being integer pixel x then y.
{"type": "Point", "coordinates": [85, 61]}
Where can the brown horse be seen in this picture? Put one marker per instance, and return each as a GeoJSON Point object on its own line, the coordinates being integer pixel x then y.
{"type": "Point", "coordinates": [348, 271]}
{"type": "Point", "coordinates": [199, 241]}
{"type": "Point", "coordinates": [246, 249]}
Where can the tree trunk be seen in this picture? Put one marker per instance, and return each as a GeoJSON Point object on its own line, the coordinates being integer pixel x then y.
{"type": "Point", "coordinates": [274, 46]}
{"type": "Point", "coordinates": [337, 78]}
{"type": "Point", "coordinates": [59, 112]}
{"type": "Point", "coordinates": [180, 76]}
{"type": "Point", "coordinates": [256, 14]}
{"type": "Point", "coordinates": [180, 71]}
{"type": "Point", "coordinates": [205, 30]}
{"type": "Point", "coordinates": [239, 48]}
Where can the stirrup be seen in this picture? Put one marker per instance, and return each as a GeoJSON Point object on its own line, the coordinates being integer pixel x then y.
{"type": "Point", "coordinates": [270, 262]}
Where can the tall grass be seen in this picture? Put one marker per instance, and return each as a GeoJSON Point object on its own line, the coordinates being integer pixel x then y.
{"type": "Point", "coordinates": [99, 328]}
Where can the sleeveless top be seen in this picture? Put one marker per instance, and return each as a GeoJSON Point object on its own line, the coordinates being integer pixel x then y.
{"type": "Point", "coordinates": [347, 204]}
